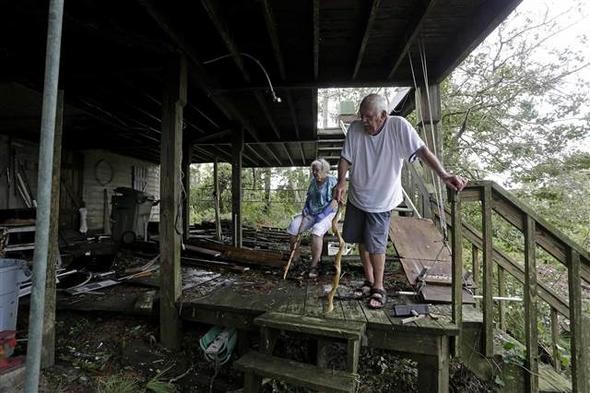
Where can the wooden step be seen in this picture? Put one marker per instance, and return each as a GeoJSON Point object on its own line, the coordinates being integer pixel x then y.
{"type": "Point", "coordinates": [349, 330]}
{"type": "Point", "coordinates": [299, 374]}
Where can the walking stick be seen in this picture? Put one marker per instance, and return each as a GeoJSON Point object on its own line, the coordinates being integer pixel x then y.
{"type": "Point", "coordinates": [337, 259]}
{"type": "Point", "coordinates": [295, 246]}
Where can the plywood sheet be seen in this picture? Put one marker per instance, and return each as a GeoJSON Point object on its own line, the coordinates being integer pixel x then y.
{"type": "Point", "coordinates": [417, 238]}
{"type": "Point", "coordinates": [442, 294]}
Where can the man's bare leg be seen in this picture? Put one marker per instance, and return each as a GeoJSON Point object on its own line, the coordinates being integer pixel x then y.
{"type": "Point", "coordinates": [378, 267]}
{"type": "Point", "coordinates": [367, 264]}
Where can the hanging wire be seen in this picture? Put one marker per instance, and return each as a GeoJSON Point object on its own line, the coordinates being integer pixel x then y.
{"type": "Point", "coordinates": [254, 59]}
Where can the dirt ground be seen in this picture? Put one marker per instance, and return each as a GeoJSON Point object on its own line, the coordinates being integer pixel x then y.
{"type": "Point", "coordinates": [118, 354]}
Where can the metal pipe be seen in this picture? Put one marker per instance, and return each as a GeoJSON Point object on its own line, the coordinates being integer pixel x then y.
{"type": "Point", "coordinates": [48, 116]}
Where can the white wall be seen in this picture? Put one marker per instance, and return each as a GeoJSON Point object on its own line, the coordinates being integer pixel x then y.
{"type": "Point", "coordinates": [120, 168]}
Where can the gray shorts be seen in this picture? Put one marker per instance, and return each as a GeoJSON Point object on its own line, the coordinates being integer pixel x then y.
{"type": "Point", "coordinates": [371, 229]}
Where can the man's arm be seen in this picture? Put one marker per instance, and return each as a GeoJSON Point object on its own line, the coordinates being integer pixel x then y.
{"type": "Point", "coordinates": [340, 188]}
{"type": "Point", "coordinates": [457, 183]}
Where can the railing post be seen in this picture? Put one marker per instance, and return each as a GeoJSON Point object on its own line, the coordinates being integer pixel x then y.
{"type": "Point", "coordinates": [476, 267]}
{"type": "Point", "coordinates": [579, 365]}
{"type": "Point", "coordinates": [530, 306]}
{"type": "Point", "coordinates": [501, 293]}
{"type": "Point", "coordinates": [488, 272]}
{"type": "Point", "coordinates": [555, 339]}
{"type": "Point", "coordinates": [457, 254]}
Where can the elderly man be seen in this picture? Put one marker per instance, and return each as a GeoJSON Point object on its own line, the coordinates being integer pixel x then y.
{"type": "Point", "coordinates": [374, 151]}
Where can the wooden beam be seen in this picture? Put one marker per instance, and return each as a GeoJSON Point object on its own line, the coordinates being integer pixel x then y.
{"type": "Point", "coordinates": [476, 270]}
{"type": "Point", "coordinates": [366, 36]}
{"type": "Point", "coordinates": [514, 268]}
{"type": "Point", "coordinates": [261, 158]}
{"type": "Point", "coordinates": [302, 153]}
{"type": "Point", "coordinates": [488, 273]}
{"type": "Point", "coordinates": [502, 293]}
{"type": "Point", "coordinates": [530, 308]}
{"type": "Point", "coordinates": [236, 184]}
{"type": "Point", "coordinates": [53, 260]}
{"type": "Point", "coordinates": [547, 237]}
{"type": "Point", "coordinates": [457, 52]}
{"type": "Point", "coordinates": [268, 148]}
{"type": "Point", "coordinates": [216, 204]}
{"type": "Point", "coordinates": [187, 157]}
{"type": "Point", "coordinates": [288, 154]}
{"type": "Point", "coordinates": [274, 37]}
{"type": "Point", "coordinates": [579, 363]}
{"type": "Point", "coordinates": [457, 265]}
{"type": "Point", "coordinates": [173, 102]}
{"type": "Point", "coordinates": [316, 38]}
{"type": "Point", "coordinates": [199, 76]}
{"type": "Point", "coordinates": [237, 58]}
{"type": "Point", "coordinates": [415, 25]}
{"type": "Point", "coordinates": [555, 333]}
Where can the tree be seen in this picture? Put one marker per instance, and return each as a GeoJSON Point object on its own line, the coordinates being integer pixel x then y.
{"type": "Point", "coordinates": [512, 103]}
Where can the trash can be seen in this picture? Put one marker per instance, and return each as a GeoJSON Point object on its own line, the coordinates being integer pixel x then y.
{"type": "Point", "coordinates": [130, 214]}
{"type": "Point", "coordinates": [12, 273]}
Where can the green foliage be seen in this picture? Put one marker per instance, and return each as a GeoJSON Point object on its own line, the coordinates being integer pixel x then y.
{"type": "Point", "coordinates": [506, 111]}
{"type": "Point", "coordinates": [271, 196]}
{"type": "Point", "coordinates": [118, 383]}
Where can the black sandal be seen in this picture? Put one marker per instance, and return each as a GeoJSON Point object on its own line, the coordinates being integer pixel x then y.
{"type": "Point", "coordinates": [363, 291]}
{"type": "Point", "coordinates": [378, 295]}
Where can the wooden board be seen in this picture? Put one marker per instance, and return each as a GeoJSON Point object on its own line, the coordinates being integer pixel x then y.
{"type": "Point", "coordinates": [417, 238]}
{"type": "Point", "coordinates": [440, 294]}
{"type": "Point", "coordinates": [296, 373]}
{"type": "Point", "coordinates": [439, 272]}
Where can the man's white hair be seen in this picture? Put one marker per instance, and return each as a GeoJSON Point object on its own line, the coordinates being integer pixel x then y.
{"type": "Point", "coordinates": [376, 102]}
{"type": "Point", "coordinates": [322, 165]}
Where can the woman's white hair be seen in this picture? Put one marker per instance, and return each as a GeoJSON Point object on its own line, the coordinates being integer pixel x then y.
{"type": "Point", "coordinates": [376, 102]}
{"type": "Point", "coordinates": [322, 165]}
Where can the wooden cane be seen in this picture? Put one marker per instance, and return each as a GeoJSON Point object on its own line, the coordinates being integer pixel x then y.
{"type": "Point", "coordinates": [337, 259]}
{"type": "Point", "coordinates": [295, 247]}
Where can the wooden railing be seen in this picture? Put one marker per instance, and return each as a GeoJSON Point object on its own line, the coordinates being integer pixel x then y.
{"type": "Point", "coordinates": [537, 232]}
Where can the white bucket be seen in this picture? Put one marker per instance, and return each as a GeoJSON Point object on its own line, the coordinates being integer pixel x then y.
{"type": "Point", "coordinates": [12, 273]}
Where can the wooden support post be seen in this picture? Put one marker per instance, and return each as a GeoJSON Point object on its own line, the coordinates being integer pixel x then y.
{"type": "Point", "coordinates": [488, 272]}
{"type": "Point", "coordinates": [555, 333]}
{"type": "Point", "coordinates": [173, 102]}
{"type": "Point", "coordinates": [430, 110]}
{"type": "Point", "coordinates": [353, 352]}
{"type": "Point", "coordinates": [433, 371]}
{"type": "Point", "coordinates": [216, 196]}
{"type": "Point", "coordinates": [501, 293]}
{"type": "Point", "coordinates": [187, 150]}
{"type": "Point", "coordinates": [457, 273]}
{"type": "Point", "coordinates": [252, 382]}
{"type": "Point", "coordinates": [530, 307]}
{"type": "Point", "coordinates": [48, 349]}
{"type": "Point", "coordinates": [580, 366]}
{"type": "Point", "coordinates": [236, 184]}
{"type": "Point", "coordinates": [476, 268]}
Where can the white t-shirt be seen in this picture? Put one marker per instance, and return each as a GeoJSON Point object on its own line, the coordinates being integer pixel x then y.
{"type": "Point", "coordinates": [376, 163]}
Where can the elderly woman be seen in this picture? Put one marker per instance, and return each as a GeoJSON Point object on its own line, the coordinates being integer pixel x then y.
{"type": "Point", "coordinates": [318, 212]}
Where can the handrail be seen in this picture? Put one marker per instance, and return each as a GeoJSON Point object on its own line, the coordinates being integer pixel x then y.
{"type": "Point", "coordinates": [537, 231]}
{"type": "Point", "coordinates": [551, 240]}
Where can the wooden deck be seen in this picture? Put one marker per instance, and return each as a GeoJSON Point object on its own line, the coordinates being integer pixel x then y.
{"type": "Point", "coordinates": [236, 301]}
